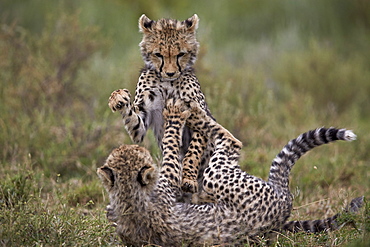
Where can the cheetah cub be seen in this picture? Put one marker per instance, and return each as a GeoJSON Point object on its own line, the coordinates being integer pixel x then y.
{"type": "Point", "coordinates": [169, 49]}
{"type": "Point", "coordinates": [143, 197]}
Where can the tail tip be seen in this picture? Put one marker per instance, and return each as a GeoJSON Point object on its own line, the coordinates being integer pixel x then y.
{"type": "Point", "coordinates": [349, 135]}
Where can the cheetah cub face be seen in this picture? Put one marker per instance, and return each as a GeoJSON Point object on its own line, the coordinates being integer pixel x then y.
{"type": "Point", "coordinates": [169, 46]}
{"type": "Point", "coordinates": [127, 168]}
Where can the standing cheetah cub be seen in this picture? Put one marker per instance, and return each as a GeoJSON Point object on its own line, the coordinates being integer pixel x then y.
{"type": "Point", "coordinates": [169, 49]}
{"type": "Point", "coordinates": [143, 197]}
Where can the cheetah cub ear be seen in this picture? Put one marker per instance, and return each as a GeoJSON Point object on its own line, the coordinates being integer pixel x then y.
{"type": "Point", "coordinates": [106, 176]}
{"type": "Point", "coordinates": [145, 24]}
{"type": "Point", "coordinates": [192, 23]}
{"type": "Point", "coordinates": [146, 175]}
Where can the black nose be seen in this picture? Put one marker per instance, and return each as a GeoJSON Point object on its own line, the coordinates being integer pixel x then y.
{"type": "Point", "coordinates": [170, 74]}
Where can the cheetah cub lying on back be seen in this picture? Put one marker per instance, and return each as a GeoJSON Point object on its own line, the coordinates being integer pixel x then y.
{"type": "Point", "coordinates": [169, 49]}
{"type": "Point", "coordinates": [143, 197]}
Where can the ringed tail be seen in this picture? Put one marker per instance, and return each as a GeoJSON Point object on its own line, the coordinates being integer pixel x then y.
{"type": "Point", "coordinates": [327, 224]}
{"type": "Point", "coordinates": [284, 161]}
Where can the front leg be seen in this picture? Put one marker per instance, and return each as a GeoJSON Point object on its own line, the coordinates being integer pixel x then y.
{"type": "Point", "coordinates": [175, 117]}
{"type": "Point", "coordinates": [134, 123]}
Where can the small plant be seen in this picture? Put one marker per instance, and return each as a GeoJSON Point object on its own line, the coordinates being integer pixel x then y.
{"type": "Point", "coordinates": [16, 190]}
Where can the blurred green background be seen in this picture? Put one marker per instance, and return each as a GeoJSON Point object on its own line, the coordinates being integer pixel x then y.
{"type": "Point", "coordinates": [269, 69]}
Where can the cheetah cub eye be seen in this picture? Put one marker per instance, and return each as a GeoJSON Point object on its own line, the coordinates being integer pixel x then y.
{"type": "Point", "coordinates": [181, 54]}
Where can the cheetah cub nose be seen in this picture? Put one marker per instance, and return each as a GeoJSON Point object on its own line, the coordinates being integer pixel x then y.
{"type": "Point", "coordinates": [170, 74]}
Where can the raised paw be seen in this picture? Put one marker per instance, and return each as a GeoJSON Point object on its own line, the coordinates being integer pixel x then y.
{"type": "Point", "coordinates": [198, 119]}
{"type": "Point", "coordinates": [197, 111]}
{"type": "Point", "coordinates": [119, 100]}
{"type": "Point", "coordinates": [189, 185]}
{"type": "Point", "coordinates": [176, 111]}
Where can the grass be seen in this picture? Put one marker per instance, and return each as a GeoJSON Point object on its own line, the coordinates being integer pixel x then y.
{"type": "Point", "coordinates": [39, 211]}
{"type": "Point", "coordinates": [268, 74]}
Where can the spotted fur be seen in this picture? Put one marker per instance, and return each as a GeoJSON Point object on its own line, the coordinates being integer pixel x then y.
{"type": "Point", "coordinates": [143, 200]}
{"type": "Point", "coordinates": [169, 49]}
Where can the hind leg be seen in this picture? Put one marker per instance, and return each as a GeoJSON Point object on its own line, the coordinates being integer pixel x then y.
{"type": "Point", "coordinates": [225, 154]}
{"type": "Point", "coordinates": [224, 141]}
